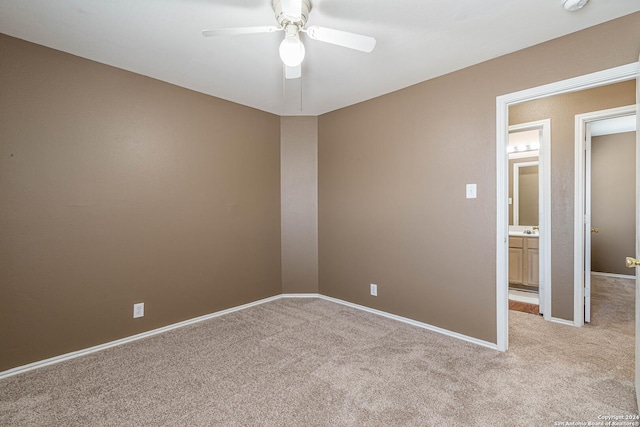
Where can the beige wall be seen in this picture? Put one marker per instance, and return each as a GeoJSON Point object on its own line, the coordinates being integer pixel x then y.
{"type": "Point", "coordinates": [562, 109]}
{"type": "Point", "coordinates": [115, 189]}
{"type": "Point", "coordinates": [392, 175]}
{"type": "Point", "coordinates": [613, 202]}
{"type": "Point", "coordinates": [299, 198]}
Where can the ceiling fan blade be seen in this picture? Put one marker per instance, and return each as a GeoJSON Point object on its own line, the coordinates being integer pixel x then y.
{"type": "Point", "coordinates": [293, 9]}
{"type": "Point", "coordinates": [342, 38]}
{"type": "Point", "coordinates": [292, 72]}
{"type": "Point", "coordinates": [239, 31]}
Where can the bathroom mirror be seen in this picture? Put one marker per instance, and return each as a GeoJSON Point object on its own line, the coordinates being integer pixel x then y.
{"type": "Point", "coordinates": [523, 149]}
{"type": "Point", "coordinates": [524, 192]}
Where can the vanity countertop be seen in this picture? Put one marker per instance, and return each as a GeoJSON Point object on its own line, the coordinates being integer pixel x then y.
{"type": "Point", "coordinates": [522, 234]}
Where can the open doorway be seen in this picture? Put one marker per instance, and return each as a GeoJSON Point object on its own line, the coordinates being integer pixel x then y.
{"type": "Point", "coordinates": [528, 153]}
{"type": "Point", "coordinates": [604, 198]}
{"type": "Point", "coordinates": [599, 79]}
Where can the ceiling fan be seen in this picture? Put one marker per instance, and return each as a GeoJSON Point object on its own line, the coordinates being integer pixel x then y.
{"type": "Point", "coordinates": [292, 16]}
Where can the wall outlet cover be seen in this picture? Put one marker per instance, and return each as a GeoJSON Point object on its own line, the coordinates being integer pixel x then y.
{"type": "Point", "coordinates": [138, 310]}
{"type": "Point", "coordinates": [472, 191]}
{"type": "Point", "coordinates": [374, 290]}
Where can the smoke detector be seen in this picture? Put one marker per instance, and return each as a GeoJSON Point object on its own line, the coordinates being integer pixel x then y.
{"type": "Point", "coordinates": [573, 5]}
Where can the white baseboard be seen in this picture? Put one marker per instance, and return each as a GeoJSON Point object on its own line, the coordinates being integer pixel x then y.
{"type": "Point", "coordinates": [413, 322]}
{"type": "Point", "coordinates": [83, 352]}
{"type": "Point", "coordinates": [562, 321]}
{"type": "Point", "coordinates": [616, 276]}
{"type": "Point", "coordinates": [301, 296]}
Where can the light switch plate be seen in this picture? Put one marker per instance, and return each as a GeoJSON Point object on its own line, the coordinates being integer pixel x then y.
{"type": "Point", "coordinates": [472, 191]}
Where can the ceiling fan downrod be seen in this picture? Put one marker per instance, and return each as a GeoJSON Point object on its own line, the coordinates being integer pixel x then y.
{"type": "Point", "coordinates": [291, 12]}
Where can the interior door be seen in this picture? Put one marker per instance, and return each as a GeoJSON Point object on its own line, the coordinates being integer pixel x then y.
{"type": "Point", "coordinates": [587, 225]}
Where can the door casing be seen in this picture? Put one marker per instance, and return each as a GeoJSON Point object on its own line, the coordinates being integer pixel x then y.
{"type": "Point", "coordinates": [544, 210]}
{"type": "Point", "coordinates": [582, 221]}
{"type": "Point", "coordinates": [637, 379]}
{"type": "Point", "coordinates": [600, 78]}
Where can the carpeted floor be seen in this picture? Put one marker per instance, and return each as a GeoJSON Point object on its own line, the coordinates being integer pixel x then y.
{"type": "Point", "coordinates": [310, 362]}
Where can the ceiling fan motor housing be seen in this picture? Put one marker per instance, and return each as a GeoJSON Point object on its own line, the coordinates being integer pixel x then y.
{"type": "Point", "coordinates": [285, 20]}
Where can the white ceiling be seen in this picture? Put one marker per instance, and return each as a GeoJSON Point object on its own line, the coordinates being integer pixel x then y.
{"type": "Point", "coordinates": [416, 41]}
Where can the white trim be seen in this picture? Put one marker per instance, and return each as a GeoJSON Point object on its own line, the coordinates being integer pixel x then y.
{"type": "Point", "coordinates": [522, 296]}
{"type": "Point", "coordinates": [86, 351]}
{"type": "Point", "coordinates": [636, 381]}
{"type": "Point", "coordinates": [305, 295]}
{"type": "Point", "coordinates": [585, 155]}
{"type": "Point", "coordinates": [613, 275]}
{"type": "Point", "coordinates": [413, 322]}
{"type": "Point", "coordinates": [600, 78]}
{"type": "Point", "coordinates": [579, 220]}
{"type": "Point", "coordinates": [544, 214]}
{"type": "Point", "coordinates": [545, 207]}
{"type": "Point", "coordinates": [502, 225]}
{"type": "Point", "coordinates": [562, 321]}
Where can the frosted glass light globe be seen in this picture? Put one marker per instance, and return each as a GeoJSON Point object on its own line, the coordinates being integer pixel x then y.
{"type": "Point", "coordinates": [292, 51]}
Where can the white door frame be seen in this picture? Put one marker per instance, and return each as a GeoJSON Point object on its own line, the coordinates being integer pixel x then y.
{"type": "Point", "coordinates": [637, 376]}
{"type": "Point", "coordinates": [544, 210]}
{"type": "Point", "coordinates": [586, 225]}
{"type": "Point", "coordinates": [582, 221]}
{"type": "Point", "coordinates": [600, 78]}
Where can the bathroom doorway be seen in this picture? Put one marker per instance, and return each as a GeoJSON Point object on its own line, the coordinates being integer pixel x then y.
{"type": "Point", "coordinates": [528, 152]}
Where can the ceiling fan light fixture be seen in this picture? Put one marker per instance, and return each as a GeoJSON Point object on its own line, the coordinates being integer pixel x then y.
{"type": "Point", "coordinates": [291, 49]}
{"type": "Point", "coordinates": [573, 5]}
{"type": "Point", "coordinates": [292, 16]}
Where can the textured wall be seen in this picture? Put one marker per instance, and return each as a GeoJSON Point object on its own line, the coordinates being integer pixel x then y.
{"type": "Point", "coordinates": [562, 109]}
{"type": "Point", "coordinates": [299, 198]}
{"type": "Point", "coordinates": [115, 189]}
{"type": "Point", "coordinates": [613, 202]}
{"type": "Point", "coordinates": [392, 175]}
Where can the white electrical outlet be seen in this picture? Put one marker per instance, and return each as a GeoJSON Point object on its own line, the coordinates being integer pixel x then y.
{"type": "Point", "coordinates": [374, 290]}
{"type": "Point", "coordinates": [138, 310]}
{"type": "Point", "coordinates": [472, 191]}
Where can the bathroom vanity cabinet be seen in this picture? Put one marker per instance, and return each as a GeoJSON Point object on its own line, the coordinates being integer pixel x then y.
{"type": "Point", "coordinates": [523, 261]}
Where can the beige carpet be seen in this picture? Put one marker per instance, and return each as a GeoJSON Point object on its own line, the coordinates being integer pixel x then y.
{"type": "Point", "coordinates": [309, 362]}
